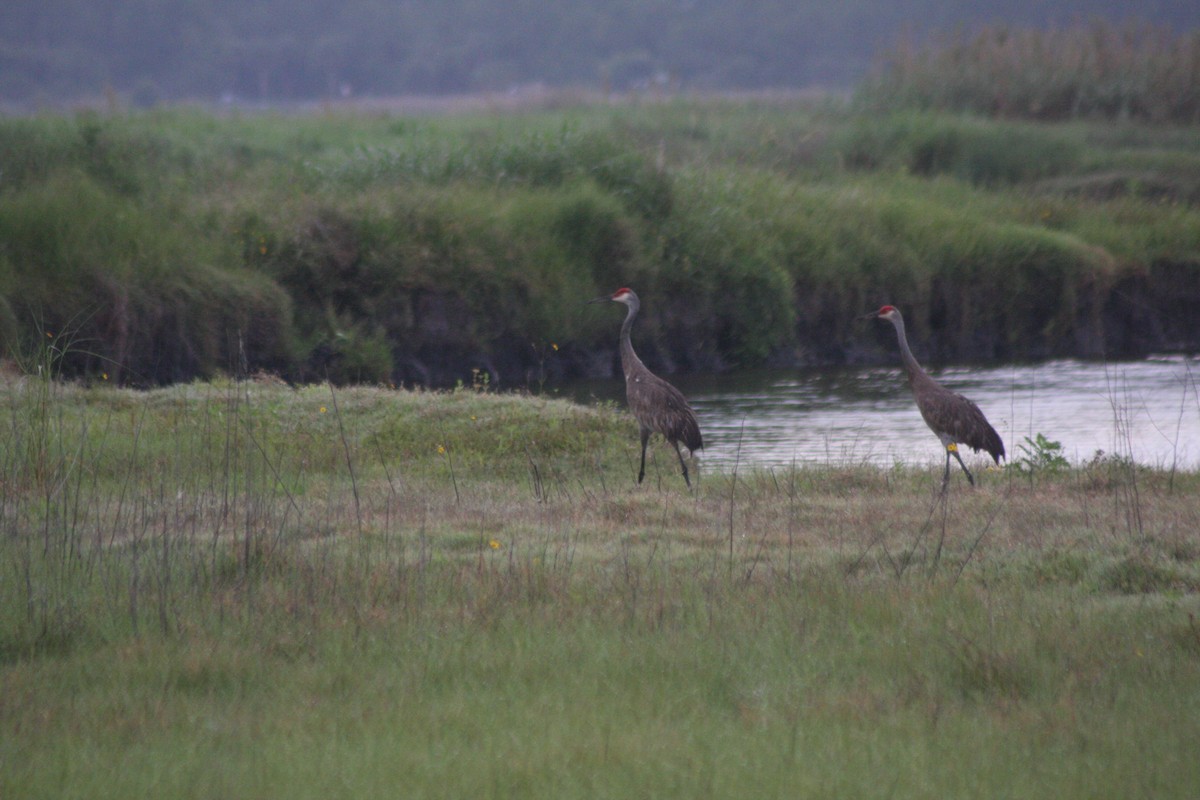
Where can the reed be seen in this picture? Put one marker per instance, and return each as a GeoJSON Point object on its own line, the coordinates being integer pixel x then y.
{"type": "Point", "coordinates": [1097, 69]}
{"type": "Point", "coordinates": [362, 248]}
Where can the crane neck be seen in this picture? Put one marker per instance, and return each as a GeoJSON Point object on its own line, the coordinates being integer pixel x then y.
{"type": "Point", "coordinates": [910, 361]}
{"type": "Point", "coordinates": [629, 359]}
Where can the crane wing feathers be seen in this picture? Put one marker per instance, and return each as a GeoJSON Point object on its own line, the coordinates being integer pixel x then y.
{"type": "Point", "coordinates": [958, 417]}
{"type": "Point", "coordinates": [660, 407]}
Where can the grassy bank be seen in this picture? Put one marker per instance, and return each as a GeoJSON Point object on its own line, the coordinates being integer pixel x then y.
{"type": "Point", "coordinates": [369, 247]}
{"type": "Point", "coordinates": [243, 588]}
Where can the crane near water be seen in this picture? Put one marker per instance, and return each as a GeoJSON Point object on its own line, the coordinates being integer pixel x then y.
{"type": "Point", "coordinates": [657, 406]}
{"type": "Point", "coordinates": [954, 419]}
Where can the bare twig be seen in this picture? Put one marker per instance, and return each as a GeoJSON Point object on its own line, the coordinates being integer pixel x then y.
{"type": "Point", "coordinates": [733, 489]}
{"type": "Point", "coordinates": [349, 461]}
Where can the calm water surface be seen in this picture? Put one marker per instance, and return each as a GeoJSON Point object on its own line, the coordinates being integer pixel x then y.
{"type": "Point", "coordinates": [1149, 410]}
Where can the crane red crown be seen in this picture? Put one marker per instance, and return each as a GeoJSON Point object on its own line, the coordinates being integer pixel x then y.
{"type": "Point", "coordinates": [622, 291]}
{"type": "Point", "coordinates": [886, 310]}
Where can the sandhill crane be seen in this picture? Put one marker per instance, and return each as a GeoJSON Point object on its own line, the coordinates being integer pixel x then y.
{"type": "Point", "coordinates": [657, 405]}
{"type": "Point", "coordinates": [953, 418]}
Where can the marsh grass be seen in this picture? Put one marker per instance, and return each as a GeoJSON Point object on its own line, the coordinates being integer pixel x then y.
{"type": "Point", "coordinates": [244, 588]}
{"type": "Point", "coordinates": [1095, 69]}
{"type": "Point", "coordinates": [379, 249]}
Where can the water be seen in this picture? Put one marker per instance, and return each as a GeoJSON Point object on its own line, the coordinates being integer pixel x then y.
{"type": "Point", "coordinates": [1148, 410]}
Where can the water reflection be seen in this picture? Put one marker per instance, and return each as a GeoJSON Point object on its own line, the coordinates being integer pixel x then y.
{"type": "Point", "coordinates": [1149, 410]}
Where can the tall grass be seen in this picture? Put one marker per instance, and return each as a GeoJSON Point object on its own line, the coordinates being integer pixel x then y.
{"type": "Point", "coordinates": [242, 587]}
{"type": "Point", "coordinates": [370, 248]}
{"type": "Point", "coordinates": [1094, 70]}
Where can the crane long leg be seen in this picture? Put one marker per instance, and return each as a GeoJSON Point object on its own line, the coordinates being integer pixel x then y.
{"type": "Point", "coordinates": [642, 469]}
{"type": "Point", "coordinates": [970, 477]}
{"type": "Point", "coordinates": [946, 473]}
{"type": "Point", "coordinates": [683, 464]}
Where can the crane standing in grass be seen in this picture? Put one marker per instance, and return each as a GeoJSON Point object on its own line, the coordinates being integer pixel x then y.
{"type": "Point", "coordinates": [953, 418]}
{"type": "Point", "coordinates": [657, 405]}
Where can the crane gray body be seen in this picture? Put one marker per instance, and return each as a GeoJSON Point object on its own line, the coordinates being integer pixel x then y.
{"type": "Point", "coordinates": [953, 418]}
{"type": "Point", "coordinates": [657, 406]}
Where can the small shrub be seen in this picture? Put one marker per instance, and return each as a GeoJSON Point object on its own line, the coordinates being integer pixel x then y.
{"type": "Point", "coordinates": [1040, 455]}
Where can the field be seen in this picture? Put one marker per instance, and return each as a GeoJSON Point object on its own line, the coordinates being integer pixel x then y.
{"type": "Point", "coordinates": [239, 588]}
{"type": "Point", "coordinates": [215, 582]}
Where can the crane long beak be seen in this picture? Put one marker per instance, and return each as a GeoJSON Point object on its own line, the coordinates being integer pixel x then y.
{"type": "Point", "coordinates": [601, 299]}
{"type": "Point", "coordinates": [871, 315]}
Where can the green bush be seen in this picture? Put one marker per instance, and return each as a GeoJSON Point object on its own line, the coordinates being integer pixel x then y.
{"type": "Point", "coordinates": [142, 302]}
{"type": "Point", "coordinates": [725, 267]}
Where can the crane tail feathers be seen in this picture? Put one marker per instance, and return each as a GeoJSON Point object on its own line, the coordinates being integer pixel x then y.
{"type": "Point", "coordinates": [988, 441]}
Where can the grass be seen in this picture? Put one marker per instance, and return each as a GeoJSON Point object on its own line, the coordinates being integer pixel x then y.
{"type": "Point", "coordinates": [244, 588]}
{"type": "Point", "coordinates": [1093, 70]}
{"type": "Point", "coordinates": [179, 245]}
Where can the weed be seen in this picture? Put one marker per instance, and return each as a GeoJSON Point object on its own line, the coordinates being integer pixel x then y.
{"type": "Point", "coordinates": [1040, 456]}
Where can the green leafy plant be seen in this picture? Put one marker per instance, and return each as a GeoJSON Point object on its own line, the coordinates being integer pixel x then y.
{"type": "Point", "coordinates": [1040, 455]}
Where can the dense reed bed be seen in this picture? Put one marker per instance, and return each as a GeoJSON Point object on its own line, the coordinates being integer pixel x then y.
{"type": "Point", "coordinates": [177, 244]}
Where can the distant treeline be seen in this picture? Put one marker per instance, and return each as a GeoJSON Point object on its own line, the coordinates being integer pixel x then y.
{"type": "Point", "coordinates": [163, 246]}
{"type": "Point", "coordinates": [286, 50]}
{"type": "Point", "coordinates": [1099, 70]}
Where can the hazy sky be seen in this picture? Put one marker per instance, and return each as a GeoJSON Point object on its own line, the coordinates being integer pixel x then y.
{"type": "Point", "coordinates": [283, 49]}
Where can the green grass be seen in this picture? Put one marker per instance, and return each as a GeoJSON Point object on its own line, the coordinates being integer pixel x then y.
{"type": "Point", "coordinates": [370, 248]}
{"type": "Point", "coordinates": [249, 589]}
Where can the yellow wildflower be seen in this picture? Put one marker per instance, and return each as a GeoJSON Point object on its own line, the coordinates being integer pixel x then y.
{"type": "Point", "coordinates": [494, 544]}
